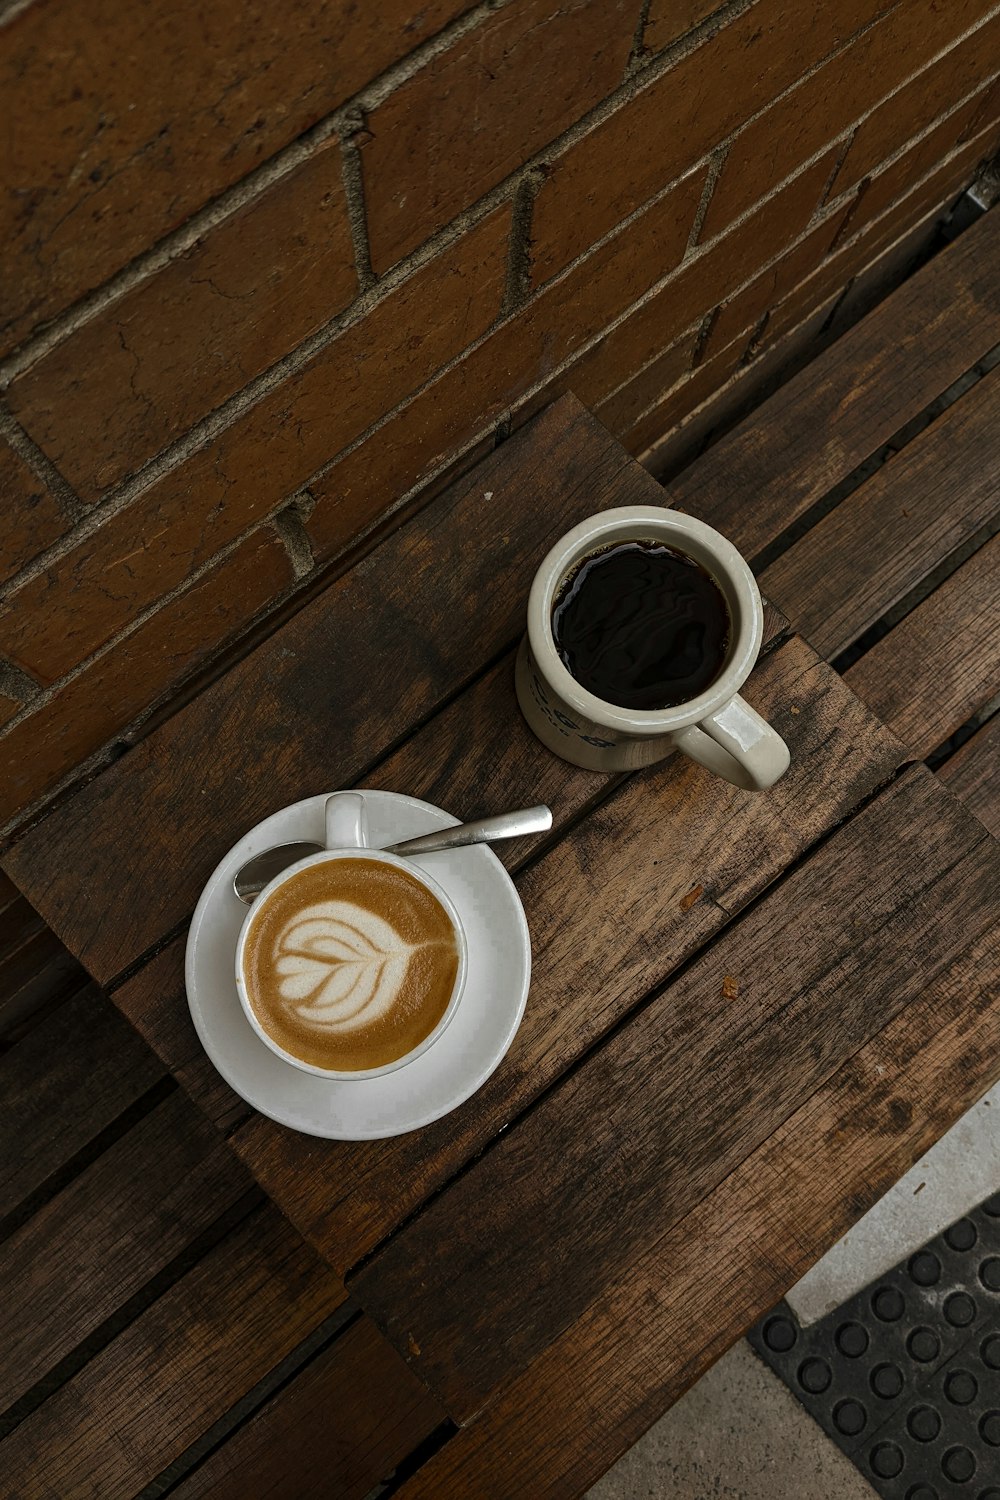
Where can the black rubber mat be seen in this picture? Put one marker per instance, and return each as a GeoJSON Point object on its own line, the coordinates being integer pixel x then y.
{"type": "Point", "coordinates": [905, 1377]}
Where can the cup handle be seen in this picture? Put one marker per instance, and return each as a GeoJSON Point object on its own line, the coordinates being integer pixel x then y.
{"type": "Point", "coordinates": [346, 821]}
{"type": "Point", "coordinates": [738, 744]}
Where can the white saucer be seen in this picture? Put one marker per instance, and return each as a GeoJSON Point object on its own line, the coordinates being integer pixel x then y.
{"type": "Point", "coordinates": [456, 1065]}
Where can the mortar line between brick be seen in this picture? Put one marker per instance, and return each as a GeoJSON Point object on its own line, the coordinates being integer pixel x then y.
{"type": "Point", "coordinates": [289, 525]}
{"type": "Point", "coordinates": [42, 467]}
{"type": "Point", "coordinates": [716, 162]}
{"type": "Point", "coordinates": [841, 157]}
{"type": "Point", "coordinates": [518, 289]}
{"type": "Point", "coordinates": [17, 684]}
{"type": "Point", "coordinates": [354, 195]}
{"type": "Point", "coordinates": [638, 55]}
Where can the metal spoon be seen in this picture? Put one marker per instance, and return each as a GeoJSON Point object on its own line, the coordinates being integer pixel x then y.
{"type": "Point", "coordinates": [252, 877]}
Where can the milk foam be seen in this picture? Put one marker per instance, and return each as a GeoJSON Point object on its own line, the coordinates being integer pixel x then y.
{"type": "Point", "coordinates": [340, 966]}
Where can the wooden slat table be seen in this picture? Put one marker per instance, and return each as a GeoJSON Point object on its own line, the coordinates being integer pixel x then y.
{"type": "Point", "coordinates": [748, 1013]}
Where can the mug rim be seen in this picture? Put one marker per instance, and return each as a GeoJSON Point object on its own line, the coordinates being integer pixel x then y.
{"type": "Point", "coordinates": [586, 537]}
{"type": "Point", "coordinates": [324, 856]}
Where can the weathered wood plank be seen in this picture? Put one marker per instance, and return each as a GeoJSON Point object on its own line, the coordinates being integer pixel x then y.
{"type": "Point", "coordinates": [939, 665]}
{"type": "Point", "coordinates": [336, 1430]}
{"type": "Point", "coordinates": [174, 1371]}
{"type": "Point", "coordinates": [672, 1312]}
{"type": "Point", "coordinates": [894, 530]}
{"type": "Point", "coordinates": [973, 774]}
{"type": "Point", "coordinates": [70, 1077]}
{"type": "Point", "coordinates": [512, 1252]}
{"type": "Point", "coordinates": [845, 404]}
{"type": "Point", "coordinates": [155, 1002]}
{"type": "Point", "coordinates": [655, 871]}
{"type": "Point", "coordinates": [107, 1234]}
{"type": "Point", "coordinates": [352, 673]}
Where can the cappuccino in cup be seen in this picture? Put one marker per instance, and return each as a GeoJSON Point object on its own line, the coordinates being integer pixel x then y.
{"type": "Point", "coordinates": [350, 963]}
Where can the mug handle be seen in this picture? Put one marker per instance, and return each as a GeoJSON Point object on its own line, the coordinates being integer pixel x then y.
{"type": "Point", "coordinates": [738, 744]}
{"type": "Point", "coordinates": [346, 821]}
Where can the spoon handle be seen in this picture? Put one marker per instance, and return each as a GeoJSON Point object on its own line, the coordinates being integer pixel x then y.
{"type": "Point", "coordinates": [480, 831]}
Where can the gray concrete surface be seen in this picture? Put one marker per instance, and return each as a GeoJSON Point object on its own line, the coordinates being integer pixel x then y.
{"type": "Point", "coordinates": [737, 1435]}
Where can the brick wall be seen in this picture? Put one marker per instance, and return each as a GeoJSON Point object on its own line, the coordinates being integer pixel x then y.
{"type": "Point", "coordinates": [273, 273]}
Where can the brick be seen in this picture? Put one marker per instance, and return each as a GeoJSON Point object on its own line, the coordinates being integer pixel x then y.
{"type": "Point", "coordinates": [492, 379]}
{"type": "Point", "coordinates": [823, 106]}
{"type": "Point", "coordinates": [916, 163]}
{"type": "Point", "coordinates": [679, 117]}
{"type": "Point", "coordinates": [95, 706]}
{"type": "Point", "coordinates": [184, 518]}
{"type": "Point", "coordinates": [670, 19]}
{"type": "Point", "coordinates": [479, 110]}
{"type": "Point", "coordinates": [110, 147]}
{"type": "Point", "coordinates": [143, 371]}
{"type": "Point", "coordinates": [919, 103]}
{"type": "Point", "coordinates": [742, 312]}
{"type": "Point", "coordinates": [622, 409]}
{"type": "Point", "coordinates": [32, 519]}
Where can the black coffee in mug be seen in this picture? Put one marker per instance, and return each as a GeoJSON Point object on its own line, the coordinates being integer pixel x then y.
{"type": "Point", "coordinates": [641, 625]}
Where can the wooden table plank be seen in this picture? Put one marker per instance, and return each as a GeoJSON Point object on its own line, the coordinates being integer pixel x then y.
{"type": "Point", "coordinates": [852, 398]}
{"type": "Point", "coordinates": [939, 665]}
{"type": "Point", "coordinates": [894, 530]}
{"type": "Point", "coordinates": [70, 1077]}
{"type": "Point", "coordinates": [333, 1433]}
{"type": "Point", "coordinates": [670, 1314]}
{"type": "Point", "coordinates": [657, 869]}
{"type": "Point", "coordinates": [323, 698]}
{"type": "Point", "coordinates": [973, 774]}
{"type": "Point", "coordinates": [510, 1253]}
{"type": "Point", "coordinates": [174, 1371]}
{"type": "Point", "coordinates": [107, 1234]}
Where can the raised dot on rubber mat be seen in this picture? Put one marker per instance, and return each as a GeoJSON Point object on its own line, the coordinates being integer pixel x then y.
{"type": "Point", "coordinates": [851, 1339]}
{"type": "Point", "coordinates": [886, 1460]}
{"type": "Point", "coordinates": [991, 1494]}
{"type": "Point", "coordinates": [989, 1351]}
{"type": "Point", "coordinates": [992, 1206]}
{"type": "Point", "coordinates": [959, 1309]}
{"type": "Point", "coordinates": [849, 1417]}
{"type": "Point", "coordinates": [924, 1268]}
{"type": "Point", "coordinates": [923, 1345]}
{"type": "Point", "coordinates": [779, 1334]}
{"type": "Point", "coordinates": [888, 1304]}
{"type": "Point", "coordinates": [989, 1273]}
{"type": "Point", "coordinates": [886, 1381]}
{"type": "Point", "coordinates": [961, 1236]}
{"type": "Point", "coordinates": [989, 1428]}
{"type": "Point", "coordinates": [958, 1465]}
{"type": "Point", "coordinates": [923, 1423]}
{"type": "Point", "coordinates": [961, 1388]}
{"type": "Point", "coordinates": [922, 1492]}
{"type": "Point", "coordinates": [815, 1376]}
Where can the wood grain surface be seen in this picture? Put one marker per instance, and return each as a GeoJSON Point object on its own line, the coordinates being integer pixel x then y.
{"type": "Point", "coordinates": [107, 1234]}
{"type": "Point", "coordinates": [973, 774]}
{"type": "Point", "coordinates": [510, 1254]}
{"type": "Point", "coordinates": [895, 529]}
{"type": "Point", "coordinates": [669, 1314]}
{"type": "Point", "coordinates": [322, 699]}
{"type": "Point", "coordinates": [625, 897]}
{"type": "Point", "coordinates": [333, 1433]}
{"type": "Point", "coordinates": [182, 1364]}
{"type": "Point", "coordinates": [939, 665]}
{"type": "Point", "coordinates": [838, 411]}
{"type": "Point", "coordinates": [61, 1086]}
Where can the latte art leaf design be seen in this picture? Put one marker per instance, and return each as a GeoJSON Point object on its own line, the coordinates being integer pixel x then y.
{"type": "Point", "coordinates": [340, 966]}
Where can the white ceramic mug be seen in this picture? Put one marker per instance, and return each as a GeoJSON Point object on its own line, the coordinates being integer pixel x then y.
{"type": "Point", "coordinates": [717, 728]}
{"type": "Point", "coordinates": [347, 838]}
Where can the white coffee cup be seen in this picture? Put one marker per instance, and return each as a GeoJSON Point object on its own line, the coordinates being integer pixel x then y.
{"type": "Point", "coordinates": [717, 728]}
{"type": "Point", "coordinates": [347, 838]}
